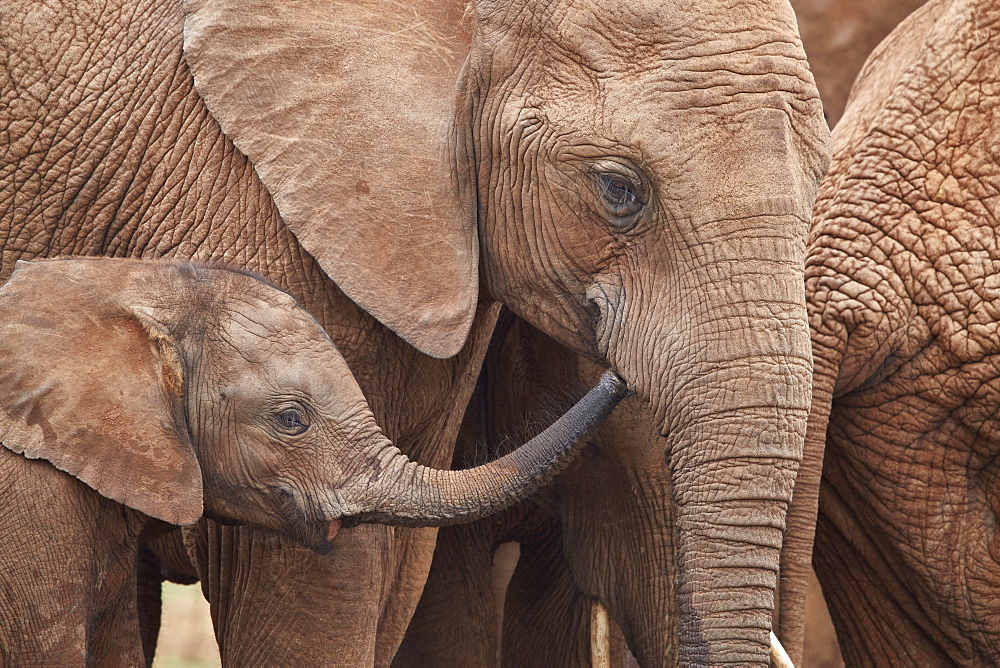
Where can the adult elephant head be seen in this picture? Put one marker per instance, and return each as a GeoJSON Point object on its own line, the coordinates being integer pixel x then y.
{"type": "Point", "coordinates": [636, 181]}
{"type": "Point", "coordinates": [656, 224]}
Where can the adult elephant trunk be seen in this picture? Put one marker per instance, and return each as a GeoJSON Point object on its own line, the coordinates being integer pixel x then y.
{"type": "Point", "coordinates": [731, 514]}
{"type": "Point", "coordinates": [730, 378]}
{"type": "Point", "coordinates": [797, 550]}
{"type": "Point", "coordinates": [403, 493]}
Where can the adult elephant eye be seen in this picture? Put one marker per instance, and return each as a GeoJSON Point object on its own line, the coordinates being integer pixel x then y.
{"type": "Point", "coordinates": [291, 421]}
{"type": "Point", "coordinates": [622, 197]}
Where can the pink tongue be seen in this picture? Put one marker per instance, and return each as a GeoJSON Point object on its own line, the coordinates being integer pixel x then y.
{"type": "Point", "coordinates": [331, 531]}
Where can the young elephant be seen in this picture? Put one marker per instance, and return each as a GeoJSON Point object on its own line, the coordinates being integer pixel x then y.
{"type": "Point", "coordinates": [169, 390]}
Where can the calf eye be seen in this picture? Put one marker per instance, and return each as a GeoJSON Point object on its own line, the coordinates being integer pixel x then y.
{"type": "Point", "coordinates": [291, 421]}
{"type": "Point", "coordinates": [622, 196]}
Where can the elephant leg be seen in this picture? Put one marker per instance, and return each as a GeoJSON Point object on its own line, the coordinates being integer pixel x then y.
{"type": "Point", "coordinates": [262, 615]}
{"type": "Point", "coordinates": [821, 648]}
{"type": "Point", "coordinates": [546, 618]}
{"type": "Point", "coordinates": [150, 606]}
{"type": "Point", "coordinates": [413, 552]}
{"type": "Point", "coordinates": [165, 545]}
{"type": "Point", "coordinates": [67, 570]}
{"type": "Point", "coordinates": [456, 622]}
{"type": "Point", "coordinates": [115, 634]}
{"type": "Point", "coordinates": [134, 611]}
{"type": "Point", "coordinates": [162, 558]}
{"type": "Point", "coordinates": [505, 560]}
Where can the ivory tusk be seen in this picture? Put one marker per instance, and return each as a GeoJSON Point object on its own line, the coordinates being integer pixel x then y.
{"type": "Point", "coordinates": [600, 641]}
{"type": "Point", "coordinates": [779, 657]}
{"type": "Point", "coordinates": [600, 636]}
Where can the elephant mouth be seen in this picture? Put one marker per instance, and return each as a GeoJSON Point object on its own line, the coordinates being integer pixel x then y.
{"type": "Point", "coordinates": [309, 528]}
{"type": "Point", "coordinates": [316, 535]}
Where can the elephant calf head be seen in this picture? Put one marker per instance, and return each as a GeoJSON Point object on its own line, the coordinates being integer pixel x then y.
{"type": "Point", "coordinates": [180, 389]}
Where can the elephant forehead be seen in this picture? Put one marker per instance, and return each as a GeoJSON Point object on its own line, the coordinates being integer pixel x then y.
{"type": "Point", "coordinates": [260, 332]}
{"type": "Point", "coordinates": [285, 351]}
{"type": "Point", "coordinates": [578, 50]}
{"type": "Point", "coordinates": [667, 109]}
{"type": "Point", "coordinates": [624, 26]}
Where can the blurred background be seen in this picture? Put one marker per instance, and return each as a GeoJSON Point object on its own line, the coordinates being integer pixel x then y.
{"type": "Point", "coordinates": [186, 636]}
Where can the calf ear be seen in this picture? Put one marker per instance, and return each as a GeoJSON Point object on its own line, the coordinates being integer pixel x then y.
{"type": "Point", "coordinates": [91, 383]}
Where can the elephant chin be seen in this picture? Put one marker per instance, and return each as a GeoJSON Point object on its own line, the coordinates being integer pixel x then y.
{"type": "Point", "coordinates": [317, 537]}
{"type": "Point", "coordinates": [294, 516]}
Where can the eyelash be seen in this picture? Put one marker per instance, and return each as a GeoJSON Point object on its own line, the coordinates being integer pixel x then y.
{"type": "Point", "coordinates": [621, 196]}
{"type": "Point", "coordinates": [291, 421]}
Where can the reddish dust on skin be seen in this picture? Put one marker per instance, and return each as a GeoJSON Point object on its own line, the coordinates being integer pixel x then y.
{"type": "Point", "coordinates": [332, 529]}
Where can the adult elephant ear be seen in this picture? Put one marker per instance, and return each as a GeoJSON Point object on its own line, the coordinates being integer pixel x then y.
{"type": "Point", "coordinates": [346, 109]}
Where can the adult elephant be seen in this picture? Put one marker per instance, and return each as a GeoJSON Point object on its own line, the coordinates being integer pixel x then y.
{"type": "Point", "coordinates": [655, 265]}
{"type": "Point", "coordinates": [838, 35]}
{"type": "Point", "coordinates": [903, 297]}
{"type": "Point", "coordinates": [575, 168]}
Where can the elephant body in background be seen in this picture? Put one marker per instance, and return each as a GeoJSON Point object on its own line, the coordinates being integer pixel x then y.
{"type": "Point", "coordinates": [838, 35]}
{"type": "Point", "coordinates": [902, 281]}
{"type": "Point", "coordinates": [374, 161]}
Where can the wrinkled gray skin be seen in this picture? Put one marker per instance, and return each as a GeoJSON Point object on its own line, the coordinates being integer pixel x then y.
{"type": "Point", "coordinates": [681, 308]}
{"type": "Point", "coordinates": [587, 141]}
{"type": "Point", "coordinates": [692, 295]}
{"type": "Point", "coordinates": [110, 151]}
{"type": "Point", "coordinates": [904, 302]}
{"type": "Point", "coordinates": [838, 36]}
